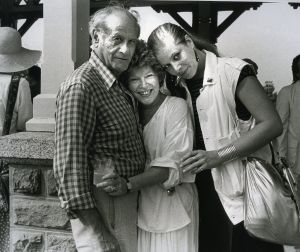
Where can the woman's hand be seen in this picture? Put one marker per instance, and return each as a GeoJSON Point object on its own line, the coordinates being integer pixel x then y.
{"type": "Point", "coordinates": [199, 160]}
{"type": "Point", "coordinates": [113, 184]}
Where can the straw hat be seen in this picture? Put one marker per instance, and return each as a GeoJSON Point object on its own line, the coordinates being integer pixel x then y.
{"type": "Point", "coordinates": [14, 57]}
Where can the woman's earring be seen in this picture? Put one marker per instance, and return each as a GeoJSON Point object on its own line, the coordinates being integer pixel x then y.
{"type": "Point", "coordinates": [197, 58]}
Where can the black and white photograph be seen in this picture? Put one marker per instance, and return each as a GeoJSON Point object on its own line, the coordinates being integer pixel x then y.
{"type": "Point", "coordinates": [149, 126]}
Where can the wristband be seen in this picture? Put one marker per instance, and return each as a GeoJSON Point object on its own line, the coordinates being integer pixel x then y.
{"type": "Point", "coordinates": [228, 153]}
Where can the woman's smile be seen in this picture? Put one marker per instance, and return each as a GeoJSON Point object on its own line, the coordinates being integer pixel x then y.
{"type": "Point", "coordinates": [144, 93]}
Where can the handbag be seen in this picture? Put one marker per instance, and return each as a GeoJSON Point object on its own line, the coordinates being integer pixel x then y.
{"type": "Point", "coordinates": [4, 170]}
{"type": "Point", "coordinates": [271, 203]}
{"type": "Point", "coordinates": [271, 200]}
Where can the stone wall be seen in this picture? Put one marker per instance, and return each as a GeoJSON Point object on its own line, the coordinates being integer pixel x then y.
{"type": "Point", "coordinates": [36, 219]}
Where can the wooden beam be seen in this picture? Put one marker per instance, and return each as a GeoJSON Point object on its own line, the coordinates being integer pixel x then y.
{"type": "Point", "coordinates": [32, 2]}
{"type": "Point", "coordinates": [228, 6]}
{"type": "Point", "coordinates": [181, 21]}
{"type": "Point", "coordinates": [188, 7]}
{"type": "Point", "coordinates": [203, 14]}
{"type": "Point", "coordinates": [6, 19]}
{"type": "Point", "coordinates": [103, 3]}
{"type": "Point", "coordinates": [228, 21]}
{"type": "Point", "coordinates": [25, 27]}
{"type": "Point", "coordinates": [98, 4]}
{"type": "Point", "coordinates": [25, 11]}
{"type": "Point", "coordinates": [9, 12]}
{"type": "Point", "coordinates": [295, 5]}
{"type": "Point", "coordinates": [218, 6]}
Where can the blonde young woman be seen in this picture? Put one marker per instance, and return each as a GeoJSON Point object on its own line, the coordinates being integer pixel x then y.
{"type": "Point", "coordinates": [206, 79]}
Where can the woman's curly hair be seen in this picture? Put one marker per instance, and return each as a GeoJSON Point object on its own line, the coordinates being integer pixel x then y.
{"type": "Point", "coordinates": [143, 56]}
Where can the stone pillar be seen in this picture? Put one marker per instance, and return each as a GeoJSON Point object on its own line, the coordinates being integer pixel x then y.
{"type": "Point", "coordinates": [37, 222]}
{"type": "Point", "coordinates": [65, 47]}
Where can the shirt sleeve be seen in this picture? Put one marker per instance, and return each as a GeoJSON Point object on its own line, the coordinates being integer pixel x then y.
{"type": "Point", "coordinates": [75, 122]}
{"type": "Point", "coordinates": [24, 105]}
{"type": "Point", "coordinates": [283, 109]}
{"type": "Point", "coordinates": [178, 141]}
{"type": "Point", "coordinates": [241, 110]}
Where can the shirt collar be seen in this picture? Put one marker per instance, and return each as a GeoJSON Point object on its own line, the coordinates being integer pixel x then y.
{"type": "Point", "coordinates": [210, 72]}
{"type": "Point", "coordinates": [104, 72]}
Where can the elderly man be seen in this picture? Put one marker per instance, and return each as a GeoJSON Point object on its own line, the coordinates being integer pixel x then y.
{"type": "Point", "coordinates": [96, 121]}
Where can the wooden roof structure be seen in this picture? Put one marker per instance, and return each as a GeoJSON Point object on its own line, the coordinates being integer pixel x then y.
{"type": "Point", "coordinates": [204, 13]}
{"type": "Point", "coordinates": [13, 10]}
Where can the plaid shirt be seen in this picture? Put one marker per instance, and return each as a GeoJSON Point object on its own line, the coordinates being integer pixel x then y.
{"type": "Point", "coordinates": [95, 118]}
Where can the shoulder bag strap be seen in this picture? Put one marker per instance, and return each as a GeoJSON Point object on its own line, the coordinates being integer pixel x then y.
{"type": "Point", "coordinates": [11, 101]}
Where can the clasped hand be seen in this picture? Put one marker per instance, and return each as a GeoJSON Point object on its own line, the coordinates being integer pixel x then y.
{"type": "Point", "coordinates": [113, 184]}
{"type": "Point", "coordinates": [199, 160]}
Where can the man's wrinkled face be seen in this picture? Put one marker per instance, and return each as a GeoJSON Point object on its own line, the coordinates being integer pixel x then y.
{"type": "Point", "coordinates": [115, 45]}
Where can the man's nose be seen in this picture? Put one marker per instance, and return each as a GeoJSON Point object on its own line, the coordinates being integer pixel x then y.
{"type": "Point", "coordinates": [124, 48]}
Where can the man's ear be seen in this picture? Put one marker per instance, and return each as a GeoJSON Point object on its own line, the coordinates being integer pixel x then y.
{"type": "Point", "coordinates": [189, 41]}
{"type": "Point", "coordinates": [95, 36]}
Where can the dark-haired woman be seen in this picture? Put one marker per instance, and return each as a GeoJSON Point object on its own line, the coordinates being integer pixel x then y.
{"type": "Point", "coordinates": [168, 204]}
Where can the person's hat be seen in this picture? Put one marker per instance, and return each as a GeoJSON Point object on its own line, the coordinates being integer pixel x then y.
{"type": "Point", "coordinates": [14, 57]}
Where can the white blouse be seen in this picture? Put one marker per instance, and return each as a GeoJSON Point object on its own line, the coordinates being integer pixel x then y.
{"type": "Point", "coordinates": [168, 136]}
